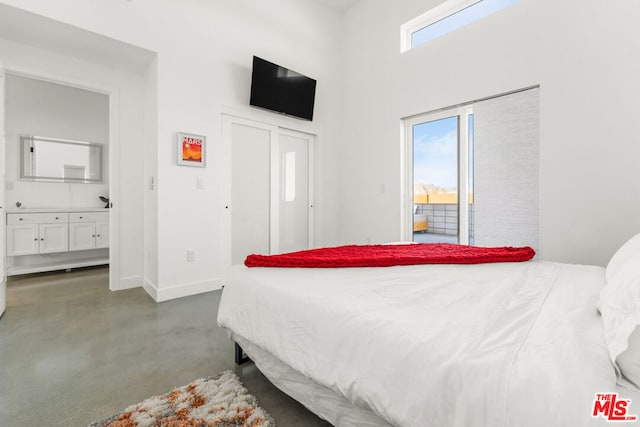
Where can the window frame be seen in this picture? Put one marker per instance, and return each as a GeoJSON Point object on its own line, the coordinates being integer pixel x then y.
{"type": "Point", "coordinates": [406, 221]}
{"type": "Point", "coordinates": [443, 10]}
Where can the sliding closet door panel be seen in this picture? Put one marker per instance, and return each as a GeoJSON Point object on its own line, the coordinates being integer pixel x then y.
{"type": "Point", "coordinates": [250, 191]}
{"type": "Point", "coordinates": [293, 192]}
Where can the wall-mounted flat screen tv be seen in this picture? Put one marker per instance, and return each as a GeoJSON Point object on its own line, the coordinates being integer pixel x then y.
{"type": "Point", "coordinates": [282, 90]}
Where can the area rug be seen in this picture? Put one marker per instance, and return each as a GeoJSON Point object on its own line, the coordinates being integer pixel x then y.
{"type": "Point", "coordinates": [219, 401]}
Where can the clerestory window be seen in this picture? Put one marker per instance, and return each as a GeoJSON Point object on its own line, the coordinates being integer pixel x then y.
{"type": "Point", "coordinates": [447, 17]}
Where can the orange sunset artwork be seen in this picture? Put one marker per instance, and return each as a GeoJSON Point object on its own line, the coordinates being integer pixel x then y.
{"type": "Point", "coordinates": [192, 149]}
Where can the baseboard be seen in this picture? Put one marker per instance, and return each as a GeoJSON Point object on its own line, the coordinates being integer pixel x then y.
{"type": "Point", "coordinates": [3, 297]}
{"type": "Point", "coordinates": [194, 288]}
{"type": "Point", "coordinates": [179, 291]}
{"type": "Point", "coordinates": [129, 283]}
{"type": "Point", "coordinates": [150, 288]}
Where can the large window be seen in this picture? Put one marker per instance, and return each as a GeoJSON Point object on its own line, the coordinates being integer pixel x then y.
{"type": "Point", "coordinates": [447, 17]}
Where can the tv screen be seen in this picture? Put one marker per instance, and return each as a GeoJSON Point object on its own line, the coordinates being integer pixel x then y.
{"type": "Point", "coordinates": [282, 90]}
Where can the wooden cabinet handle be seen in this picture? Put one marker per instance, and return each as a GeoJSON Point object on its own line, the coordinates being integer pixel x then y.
{"type": "Point", "coordinates": [80, 217]}
{"type": "Point", "coordinates": [20, 219]}
{"type": "Point", "coordinates": [42, 239]}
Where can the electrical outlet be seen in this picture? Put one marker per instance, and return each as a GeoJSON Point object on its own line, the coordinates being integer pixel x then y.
{"type": "Point", "coordinates": [191, 255]}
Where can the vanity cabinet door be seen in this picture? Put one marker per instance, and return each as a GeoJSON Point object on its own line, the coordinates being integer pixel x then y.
{"type": "Point", "coordinates": [102, 234]}
{"type": "Point", "coordinates": [82, 236]}
{"type": "Point", "coordinates": [29, 239]}
{"type": "Point", "coordinates": [54, 238]}
{"type": "Point", "coordinates": [22, 239]}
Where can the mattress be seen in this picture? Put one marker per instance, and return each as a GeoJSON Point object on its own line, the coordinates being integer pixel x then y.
{"type": "Point", "coordinates": [444, 345]}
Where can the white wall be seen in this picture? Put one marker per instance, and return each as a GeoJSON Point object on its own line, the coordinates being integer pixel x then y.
{"type": "Point", "coordinates": [584, 57]}
{"type": "Point", "coordinates": [582, 54]}
{"type": "Point", "coordinates": [203, 65]}
{"type": "Point", "coordinates": [127, 89]}
{"type": "Point", "coordinates": [36, 107]}
{"type": "Point", "coordinates": [197, 84]}
{"type": "Point", "coordinates": [150, 175]}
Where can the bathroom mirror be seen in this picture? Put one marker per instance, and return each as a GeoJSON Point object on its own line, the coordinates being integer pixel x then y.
{"type": "Point", "coordinates": [60, 160]}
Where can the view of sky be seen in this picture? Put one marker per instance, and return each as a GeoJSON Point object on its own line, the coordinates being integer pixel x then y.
{"type": "Point", "coordinates": [458, 20]}
{"type": "Point", "coordinates": [435, 153]}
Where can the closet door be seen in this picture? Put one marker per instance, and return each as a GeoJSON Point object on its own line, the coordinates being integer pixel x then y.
{"type": "Point", "coordinates": [293, 188]}
{"type": "Point", "coordinates": [250, 189]}
{"type": "Point", "coordinates": [270, 172]}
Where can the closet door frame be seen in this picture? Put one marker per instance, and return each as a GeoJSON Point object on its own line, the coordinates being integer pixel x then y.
{"type": "Point", "coordinates": [275, 131]}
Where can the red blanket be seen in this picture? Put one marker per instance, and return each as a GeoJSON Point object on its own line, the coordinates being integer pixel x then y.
{"type": "Point", "coordinates": [388, 255]}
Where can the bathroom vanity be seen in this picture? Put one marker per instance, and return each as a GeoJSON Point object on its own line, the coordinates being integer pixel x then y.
{"type": "Point", "coordinates": [55, 239]}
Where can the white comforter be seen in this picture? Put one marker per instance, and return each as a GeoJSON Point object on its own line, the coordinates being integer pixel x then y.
{"type": "Point", "coordinates": [513, 344]}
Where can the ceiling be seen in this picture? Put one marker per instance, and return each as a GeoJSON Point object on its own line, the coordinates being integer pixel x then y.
{"type": "Point", "coordinates": [340, 5]}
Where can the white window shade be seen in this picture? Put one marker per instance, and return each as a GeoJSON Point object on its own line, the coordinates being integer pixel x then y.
{"type": "Point", "coordinates": [507, 170]}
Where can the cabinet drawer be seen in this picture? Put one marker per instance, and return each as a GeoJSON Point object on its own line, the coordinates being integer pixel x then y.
{"type": "Point", "coordinates": [37, 218]}
{"type": "Point", "coordinates": [89, 217]}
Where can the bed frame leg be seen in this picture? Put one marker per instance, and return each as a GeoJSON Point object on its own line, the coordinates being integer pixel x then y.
{"type": "Point", "coordinates": [240, 357]}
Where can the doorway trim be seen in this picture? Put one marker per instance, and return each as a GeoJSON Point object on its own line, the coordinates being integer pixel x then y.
{"type": "Point", "coordinates": [113, 148]}
{"type": "Point", "coordinates": [3, 162]}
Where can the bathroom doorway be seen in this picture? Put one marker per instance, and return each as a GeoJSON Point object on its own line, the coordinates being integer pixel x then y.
{"type": "Point", "coordinates": [57, 221]}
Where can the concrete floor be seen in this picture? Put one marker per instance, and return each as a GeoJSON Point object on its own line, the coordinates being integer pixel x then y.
{"type": "Point", "coordinates": [72, 352]}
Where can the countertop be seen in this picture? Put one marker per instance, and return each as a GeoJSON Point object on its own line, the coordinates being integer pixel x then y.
{"type": "Point", "coordinates": [45, 210]}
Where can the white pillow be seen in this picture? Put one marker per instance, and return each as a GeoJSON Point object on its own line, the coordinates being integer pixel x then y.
{"type": "Point", "coordinates": [622, 256]}
{"type": "Point", "coordinates": [629, 360]}
{"type": "Point", "coordinates": [619, 305]}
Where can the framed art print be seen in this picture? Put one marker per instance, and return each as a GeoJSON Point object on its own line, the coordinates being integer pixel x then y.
{"type": "Point", "coordinates": [191, 149]}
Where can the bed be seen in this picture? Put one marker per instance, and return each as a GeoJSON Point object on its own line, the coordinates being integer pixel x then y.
{"type": "Point", "coordinates": [495, 344]}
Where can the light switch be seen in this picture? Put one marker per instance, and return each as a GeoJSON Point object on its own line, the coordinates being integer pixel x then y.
{"type": "Point", "coordinates": [200, 183]}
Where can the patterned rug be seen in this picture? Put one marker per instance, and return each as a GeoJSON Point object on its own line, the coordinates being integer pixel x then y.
{"type": "Point", "coordinates": [219, 401]}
